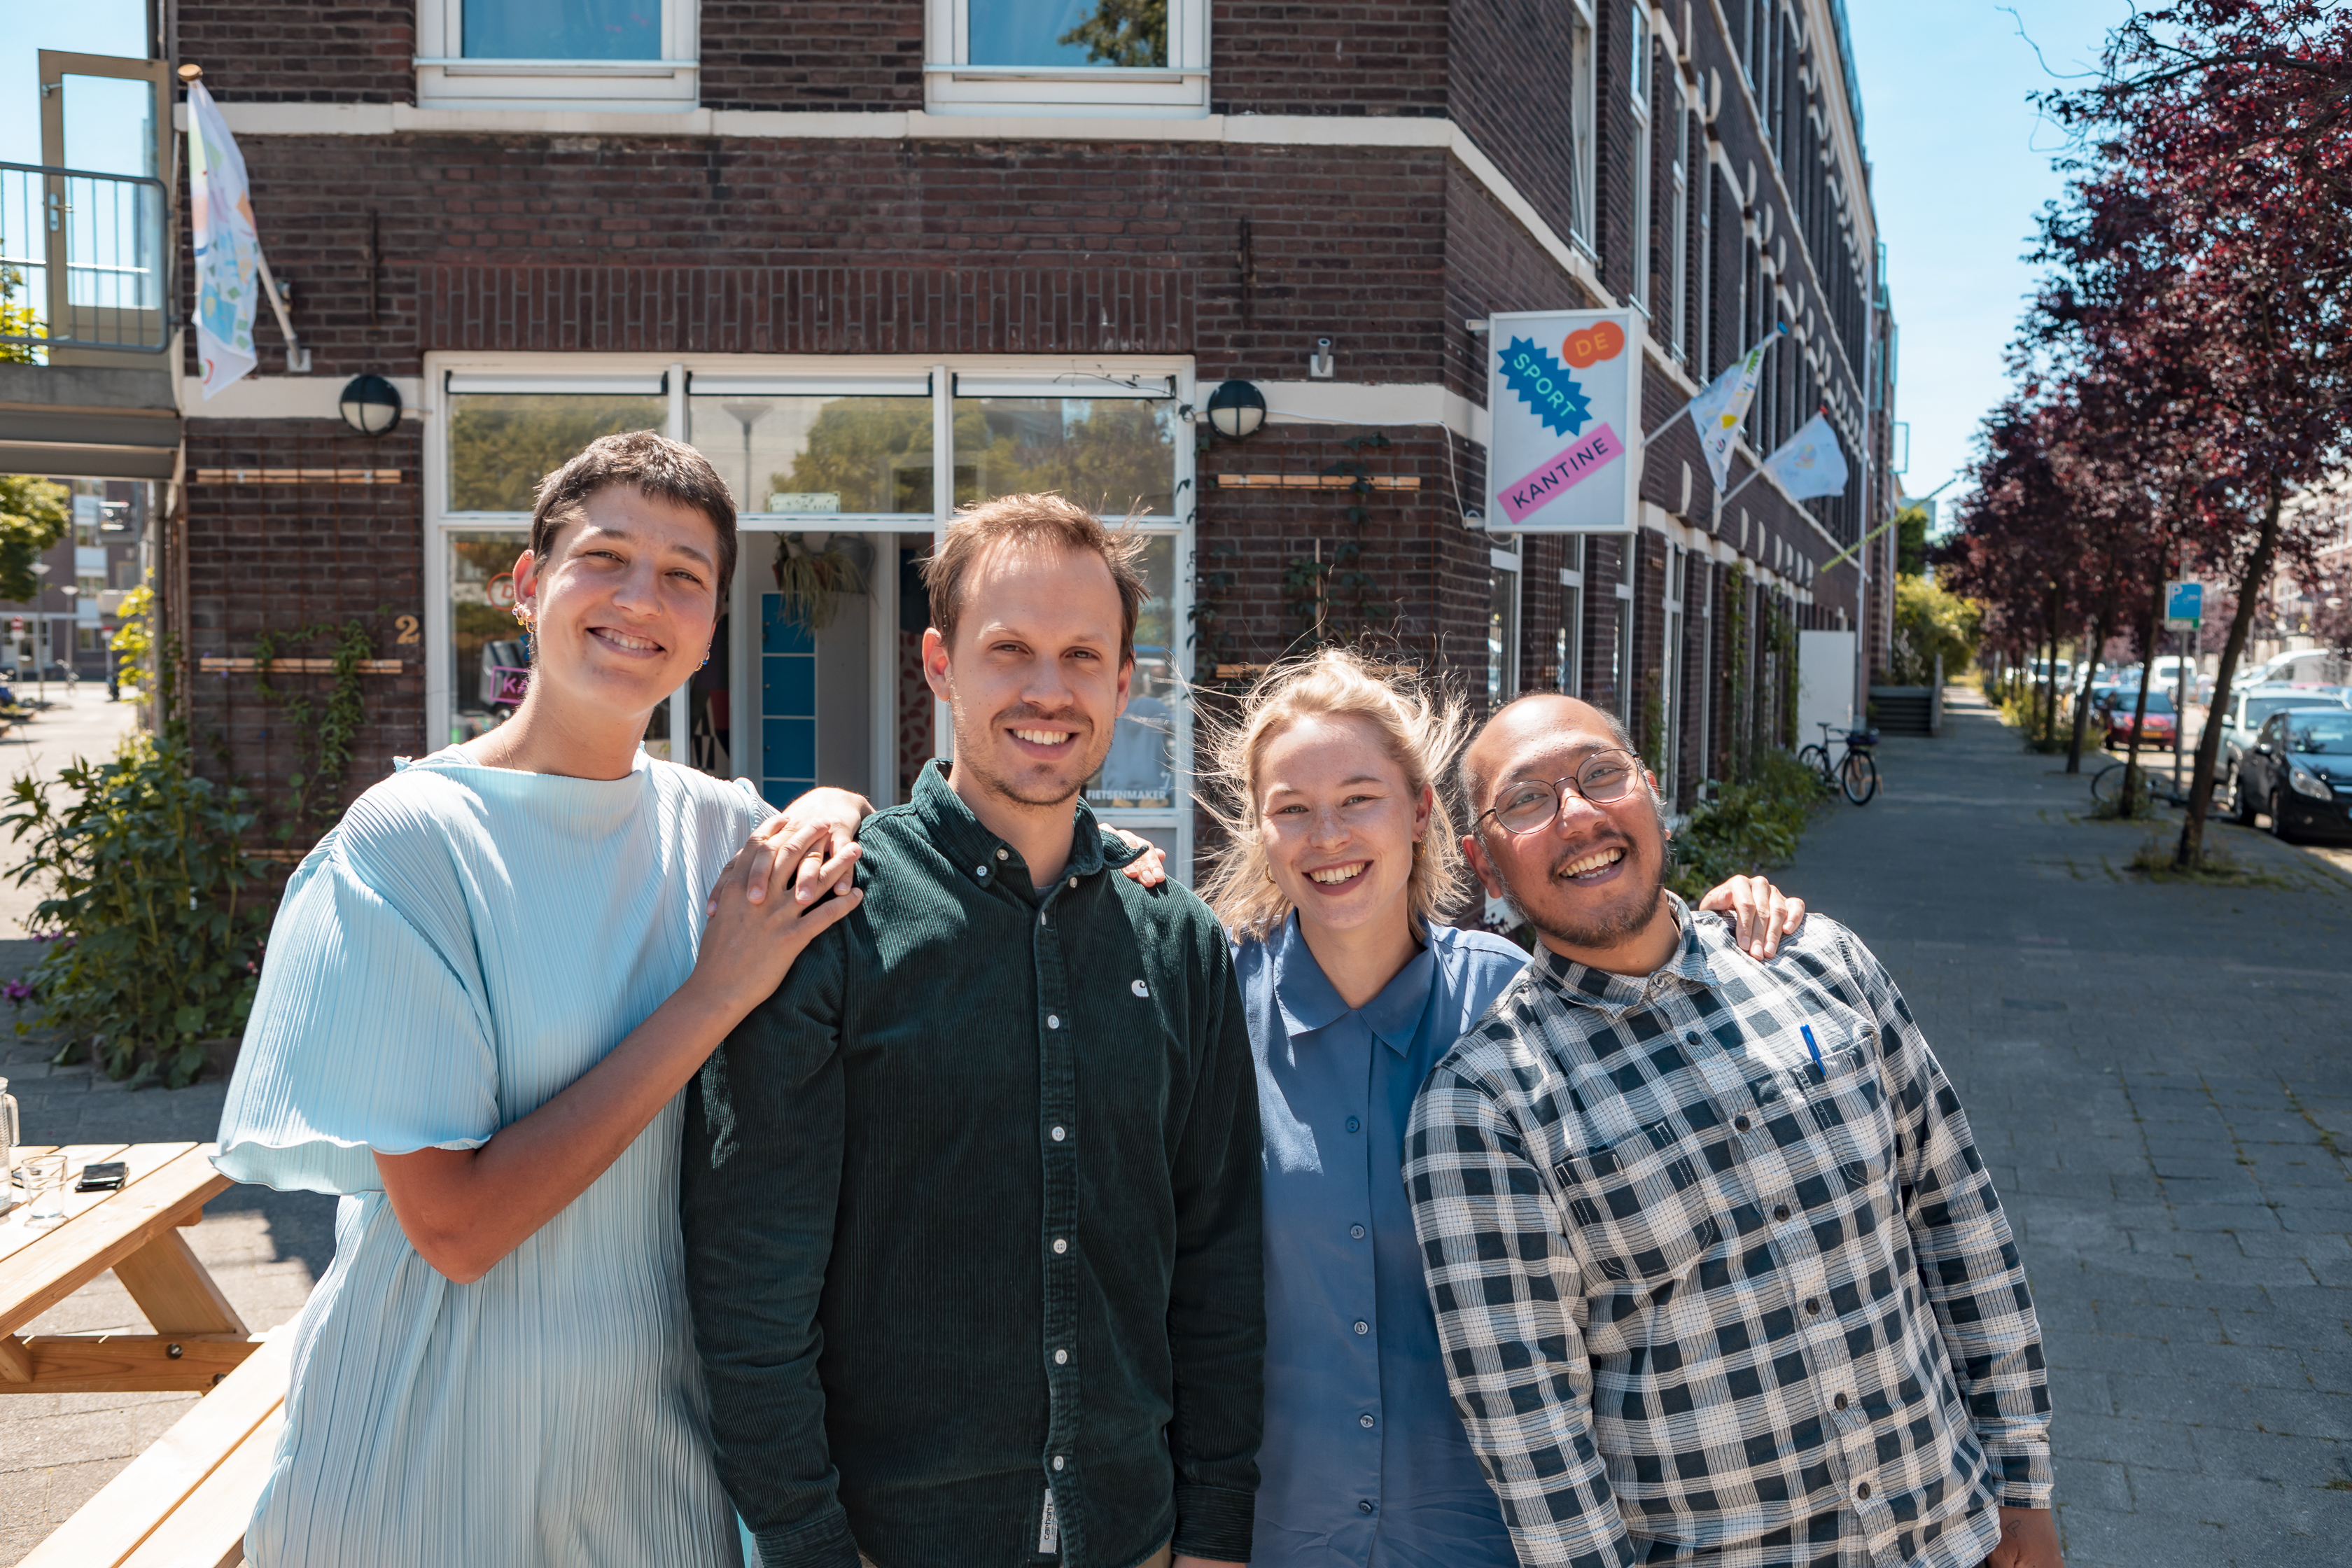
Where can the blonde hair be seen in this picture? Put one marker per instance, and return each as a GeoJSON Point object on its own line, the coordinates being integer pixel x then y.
{"type": "Point", "coordinates": [1420, 733]}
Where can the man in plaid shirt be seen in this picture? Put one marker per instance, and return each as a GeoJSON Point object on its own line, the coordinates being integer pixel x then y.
{"type": "Point", "coordinates": [1717, 1268]}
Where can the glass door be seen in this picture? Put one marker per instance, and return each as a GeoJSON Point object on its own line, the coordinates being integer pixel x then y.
{"type": "Point", "coordinates": [106, 148]}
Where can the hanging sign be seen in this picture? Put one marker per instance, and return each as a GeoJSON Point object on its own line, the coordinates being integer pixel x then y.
{"type": "Point", "coordinates": [1563, 389]}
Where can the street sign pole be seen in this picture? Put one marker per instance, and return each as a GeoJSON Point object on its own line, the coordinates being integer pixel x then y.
{"type": "Point", "coordinates": [2184, 612]}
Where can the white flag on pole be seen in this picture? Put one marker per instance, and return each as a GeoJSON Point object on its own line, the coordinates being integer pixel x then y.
{"type": "Point", "coordinates": [228, 252]}
{"type": "Point", "coordinates": [1718, 411]}
{"type": "Point", "coordinates": [1810, 463]}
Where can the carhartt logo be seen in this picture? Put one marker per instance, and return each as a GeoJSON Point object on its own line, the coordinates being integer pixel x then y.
{"type": "Point", "coordinates": [1140, 989]}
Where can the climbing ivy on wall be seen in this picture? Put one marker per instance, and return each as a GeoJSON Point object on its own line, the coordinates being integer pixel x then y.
{"type": "Point", "coordinates": [326, 732]}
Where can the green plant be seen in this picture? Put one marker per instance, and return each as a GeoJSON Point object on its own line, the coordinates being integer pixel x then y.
{"type": "Point", "coordinates": [133, 643]}
{"type": "Point", "coordinates": [1734, 670]}
{"type": "Point", "coordinates": [154, 943]}
{"type": "Point", "coordinates": [18, 321]}
{"type": "Point", "coordinates": [33, 516]}
{"type": "Point", "coordinates": [1332, 595]}
{"type": "Point", "coordinates": [1653, 723]}
{"type": "Point", "coordinates": [1930, 619]}
{"type": "Point", "coordinates": [330, 732]}
{"type": "Point", "coordinates": [1748, 827]}
{"type": "Point", "coordinates": [814, 582]}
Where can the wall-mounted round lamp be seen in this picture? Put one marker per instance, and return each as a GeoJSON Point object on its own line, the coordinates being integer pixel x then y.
{"type": "Point", "coordinates": [1236, 409]}
{"type": "Point", "coordinates": [370, 405]}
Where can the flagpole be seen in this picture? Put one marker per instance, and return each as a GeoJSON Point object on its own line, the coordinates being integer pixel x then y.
{"type": "Point", "coordinates": [298, 358]}
{"type": "Point", "coordinates": [1779, 330]}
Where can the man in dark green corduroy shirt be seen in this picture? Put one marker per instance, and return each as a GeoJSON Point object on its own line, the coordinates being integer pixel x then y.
{"type": "Point", "coordinates": [972, 1203]}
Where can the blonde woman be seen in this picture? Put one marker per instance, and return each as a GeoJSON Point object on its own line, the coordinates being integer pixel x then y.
{"type": "Point", "coordinates": [1340, 862]}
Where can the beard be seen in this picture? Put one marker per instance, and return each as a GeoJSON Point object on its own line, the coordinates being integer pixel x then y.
{"type": "Point", "coordinates": [1034, 784]}
{"type": "Point", "coordinates": [1632, 903]}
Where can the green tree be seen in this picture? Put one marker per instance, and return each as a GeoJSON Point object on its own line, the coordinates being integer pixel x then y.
{"type": "Point", "coordinates": [502, 446]}
{"type": "Point", "coordinates": [1930, 619]}
{"type": "Point", "coordinates": [1911, 541]}
{"type": "Point", "coordinates": [33, 516]}
{"type": "Point", "coordinates": [18, 321]}
{"type": "Point", "coordinates": [1129, 33]}
{"type": "Point", "coordinates": [134, 639]}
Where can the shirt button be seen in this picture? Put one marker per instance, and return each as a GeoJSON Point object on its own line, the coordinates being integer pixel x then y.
{"type": "Point", "coordinates": [1813, 1306]}
{"type": "Point", "coordinates": [1058, 1461]}
{"type": "Point", "coordinates": [1053, 1020]}
{"type": "Point", "coordinates": [1058, 1135]}
{"type": "Point", "coordinates": [1362, 1326]}
{"type": "Point", "coordinates": [1000, 854]}
{"type": "Point", "coordinates": [1863, 1492]}
{"type": "Point", "coordinates": [980, 870]}
{"type": "Point", "coordinates": [1363, 1421]}
{"type": "Point", "coordinates": [1357, 1231]}
{"type": "Point", "coordinates": [1780, 1212]}
{"type": "Point", "coordinates": [1074, 881]}
{"type": "Point", "coordinates": [1365, 1506]}
{"type": "Point", "coordinates": [1041, 917]}
{"type": "Point", "coordinates": [1690, 1036]}
{"type": "Point", "coordinates": [1061, 1358]}
{"type": "Point", "coordinates": [1353, 1124]}
{"type": "Point", "coordinates": [1061, 1243]}
{"type": "Point", "coordinates": [1839, 1402]}
{"type": "Point", "coordinates": [1742, 1123]}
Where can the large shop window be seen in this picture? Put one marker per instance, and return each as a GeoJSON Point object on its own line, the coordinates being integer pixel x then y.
{"type": "Point", "coordinates": [816, 672]}
{"type": "Point", "coordinates": [626, 55]}
{"type": "Point", "coordinates": [1145, 57]}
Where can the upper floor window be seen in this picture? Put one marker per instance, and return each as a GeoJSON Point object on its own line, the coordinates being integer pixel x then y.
{"type": "Point", "coordinates": [1584, 87]}
{"type": "Point", "coordinates": [1067, 56]}
{"type": "Point", "coordinates": [1638, 79]}
{"type": "Point", "coordinates": [557, 54]}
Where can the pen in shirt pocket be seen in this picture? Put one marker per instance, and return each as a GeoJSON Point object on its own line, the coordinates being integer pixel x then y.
{"type": "Point", "coordinates": [1815, 1047]}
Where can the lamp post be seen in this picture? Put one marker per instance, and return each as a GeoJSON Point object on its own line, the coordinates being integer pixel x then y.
{"type": "Point", "coordinates": [40, 640]}
{"type": "Point", "coordinates": [73, 594]}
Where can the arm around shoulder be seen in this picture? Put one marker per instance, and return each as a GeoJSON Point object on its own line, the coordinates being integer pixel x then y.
{"type": "Point", "coordinates": [759, 1186]}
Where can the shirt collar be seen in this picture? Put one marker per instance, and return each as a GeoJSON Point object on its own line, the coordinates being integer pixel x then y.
{"type": "Point", "coordinates": [1612, 994]}
{"type": "Point", "coordinates": [950, 825]}
{"type": "Point", "coordinates": [1310, 1002]}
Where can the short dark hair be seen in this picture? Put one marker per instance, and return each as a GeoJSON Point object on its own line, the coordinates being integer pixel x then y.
{"type": "Point", "coordinates": [656, 467]}
{"type": "Point", "coordinates": [1027, 519]}
{"type": "Point", "coordinates": [1473, 786]}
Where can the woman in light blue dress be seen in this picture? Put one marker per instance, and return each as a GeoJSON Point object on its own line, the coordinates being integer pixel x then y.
{"type": "Point", "coordinates": [484, 991]}
{"type": "Point", "coordinates": [1339, 864]}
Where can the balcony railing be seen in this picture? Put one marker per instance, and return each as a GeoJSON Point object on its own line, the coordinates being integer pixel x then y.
{"type": "Point", "coordinates": [84, 260]}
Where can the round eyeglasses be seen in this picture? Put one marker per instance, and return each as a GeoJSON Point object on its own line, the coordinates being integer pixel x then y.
{"type": "Point", "coordinates": [1530, 803]}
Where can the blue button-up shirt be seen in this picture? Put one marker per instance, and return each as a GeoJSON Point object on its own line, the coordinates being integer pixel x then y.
{"type": "Point", "coordinates": [1364, 1460]}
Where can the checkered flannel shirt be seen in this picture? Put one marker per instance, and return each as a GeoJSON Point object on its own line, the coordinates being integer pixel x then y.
{"type": "Point", "coordinates": [1709, 1289]}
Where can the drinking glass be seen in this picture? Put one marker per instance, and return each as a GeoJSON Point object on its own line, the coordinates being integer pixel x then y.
{"type": "Point", "coordinates": [44, 1188]}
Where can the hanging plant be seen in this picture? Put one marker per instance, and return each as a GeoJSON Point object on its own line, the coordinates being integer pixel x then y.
{"type": "Point", "coordinates": [814, 572]}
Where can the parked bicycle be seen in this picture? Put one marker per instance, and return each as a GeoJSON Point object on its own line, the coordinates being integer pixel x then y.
{"type": "Point", "coordinates": [2108, 782]}
{"type": "Point", "coordinates": [1854, 772]}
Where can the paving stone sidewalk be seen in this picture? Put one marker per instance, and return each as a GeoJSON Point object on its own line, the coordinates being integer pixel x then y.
{"type": "Point", "coordinates": [2160, 1077]}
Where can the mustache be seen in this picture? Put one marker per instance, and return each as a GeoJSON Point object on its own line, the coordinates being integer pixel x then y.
{"type": "Point", "coordinates": [1575, 852]}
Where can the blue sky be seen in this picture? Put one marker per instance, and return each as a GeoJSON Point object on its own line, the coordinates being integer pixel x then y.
{"type": "Point", "coordinates": [82, 26]}
{"type": "Point", "coordinates": [1961, 166]}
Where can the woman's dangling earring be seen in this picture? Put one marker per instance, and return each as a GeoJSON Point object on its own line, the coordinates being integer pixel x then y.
{"type": "Point", "coordinates": [523, 616]}
{"type": "Point", "coordinates": [706, 659]}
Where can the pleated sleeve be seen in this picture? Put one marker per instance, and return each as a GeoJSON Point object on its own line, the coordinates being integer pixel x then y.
{"type": "Point", "coordinates": [368, 1034]}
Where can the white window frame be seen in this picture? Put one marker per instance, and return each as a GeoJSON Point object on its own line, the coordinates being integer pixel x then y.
{"type": "Point", "coordinates": [1638, 293]}
{"type": "Point", "coordinates": [1679, 271]}
{"type": "Point", "coordinates": [1670, 677]}
{"type": "Point", "coordinates": [1178, 91]}
{"type": "Point", "coordinates": [1584, 99]}
{"type": "Point", "coordinates": [1005, 374]}
{"type": "Point", "coordinates": [446, 78]}
{"type": "Point", "coordinates": [1568, 641]}
{"type": "Point", "coordinates": [1503, 664]}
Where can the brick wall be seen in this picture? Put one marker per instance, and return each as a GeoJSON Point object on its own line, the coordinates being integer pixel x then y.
{"type": "Point", "coordinates": [840, 58]}
{"type": "Point", "coordinates": [286, 53]}
{"type": "Point", "coordinates": [1388, 57]}
{"type": "Point", "coordinates": [279, 556]}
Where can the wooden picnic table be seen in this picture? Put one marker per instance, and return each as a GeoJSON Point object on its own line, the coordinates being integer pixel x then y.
{"type": "Point", "coordinates": [135, 1231]}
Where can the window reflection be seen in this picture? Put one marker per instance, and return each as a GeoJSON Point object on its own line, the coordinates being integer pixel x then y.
{"type": "Point", "coordinates": [563, 29]}
{"type": "Point", "coordinates": [1132, 33]}
{"type": "Point", "coordinates": [502, 444]}
{"type": "Point", "coordinates": [1140, 770]}
{"type": "Point", "coordinates": [486, 669]}
{"type": "Point", "coordinates": [819, 456]}
{"type": "Point", "coordinates": [1114, 455]}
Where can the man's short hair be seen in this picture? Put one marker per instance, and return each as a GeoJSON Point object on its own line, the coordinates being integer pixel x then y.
{"type": "Point", "coordinates": [654, 467]}
{"type": "Point", "coordinates": [1473, 788]}
{"type": "Point", "coordinates": [1027, 520]}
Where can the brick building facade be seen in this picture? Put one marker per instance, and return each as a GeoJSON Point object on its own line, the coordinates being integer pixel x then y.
{"type": "Point", "coordinates": [824, 241]}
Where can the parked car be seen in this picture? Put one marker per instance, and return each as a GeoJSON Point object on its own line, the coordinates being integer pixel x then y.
{"type": "Point", "coordinates": [2246, 714]}
{"type": "Point", "coordinates": [2298, 768]}
{"type": "Point", "coordinates": [2158, 726]}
